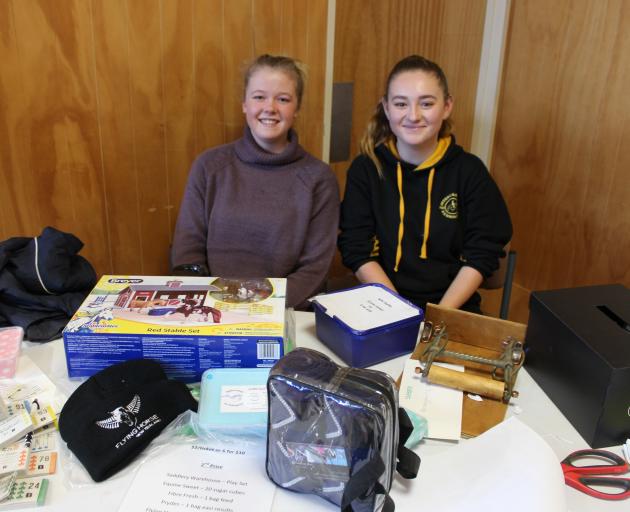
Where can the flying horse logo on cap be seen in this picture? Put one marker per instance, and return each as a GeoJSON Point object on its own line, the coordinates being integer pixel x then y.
{"type": "Point", "coordinates": [126, 415]}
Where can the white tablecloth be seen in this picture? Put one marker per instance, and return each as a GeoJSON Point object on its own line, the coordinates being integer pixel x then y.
{"type": "Point", "coordinates": [532, 407]}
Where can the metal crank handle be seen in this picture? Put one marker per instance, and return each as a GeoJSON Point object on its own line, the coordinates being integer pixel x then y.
{"type": "Point", "coordinates": [466, 382]}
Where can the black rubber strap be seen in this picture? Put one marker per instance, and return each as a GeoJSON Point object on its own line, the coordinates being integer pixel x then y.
{"type": "Point", "coordinates": [408, 462]}
{"type": "Point", "coordinates": [367, 477]}
{"type": "Point", "coordinates": [405, 426]}
{"type": "Point", "coordinates": [360, 483]}
{"type": "Point", "coordinates": [388, 505]}
{"type": "Point", "coordinates": [388, 502]}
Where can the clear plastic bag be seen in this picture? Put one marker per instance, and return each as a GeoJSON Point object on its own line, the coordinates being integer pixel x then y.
{"type": "Point", "coordinates": [184, 429]}
{"type": "Point", "coordinates": [334, 431]}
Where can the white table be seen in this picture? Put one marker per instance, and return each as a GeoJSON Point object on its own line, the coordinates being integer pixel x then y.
{"type": "Point", "coordinates": [532, 407]}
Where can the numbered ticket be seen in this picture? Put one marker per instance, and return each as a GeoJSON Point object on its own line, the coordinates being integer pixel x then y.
{"type": "Point", "coordinates": [26, 492]}
{"type": "Point", "coordinates": [42, 463]}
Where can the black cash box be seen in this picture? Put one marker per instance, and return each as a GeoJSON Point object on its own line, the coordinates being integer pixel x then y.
{"type": "Point", "coordinates": [578, 351]}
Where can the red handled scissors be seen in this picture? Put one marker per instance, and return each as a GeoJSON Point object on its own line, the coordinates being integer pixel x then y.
{"type": "Point", "coordinates": [589, 478]}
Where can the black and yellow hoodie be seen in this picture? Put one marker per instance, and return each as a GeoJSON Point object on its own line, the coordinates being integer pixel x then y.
{"type": "Point", "coordinates": [422, 224]}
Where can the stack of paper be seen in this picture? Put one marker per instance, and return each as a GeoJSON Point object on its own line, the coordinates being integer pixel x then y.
{"type": "Point", "coordinates": [439, 405]}
{"type": "Point", "coordinates": [366, 307]}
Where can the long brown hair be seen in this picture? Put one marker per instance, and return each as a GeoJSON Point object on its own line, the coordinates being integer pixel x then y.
{"type": "Point", "coordinates": [378, 130]}
{"type": "Point", "coordinates": [292, 67]}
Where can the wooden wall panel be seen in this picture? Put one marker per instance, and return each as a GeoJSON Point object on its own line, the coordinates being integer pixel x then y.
{"type": "Point", "coordinates": [372, 35]}
{"type": "Point", "coordinates": [105, 103]}
{"type": "Point", "coordinates": [310, 50]}
{"type": "Point", "coordinates": [178, 50]}
{"type": "Point", "coordinates": [17, 178]}
{"type": "Point", "coordinates": [52, 126]}
{"type": "Point", "coordinates": [210, 88]}
{"type": "Point", "coordinates": [147, 100]}
{"type": "Point", "coordinates": [113, 84]}
{"type": "Point", "coordinates": [562, 130]}
{"type": "Point", "coordinates": [518, 310]}
{"type": "Point", "coordinates": [239, 38]}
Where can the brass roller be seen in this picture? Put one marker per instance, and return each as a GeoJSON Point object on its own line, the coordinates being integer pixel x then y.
{"type": "Point", "coordinates": [466, 382]}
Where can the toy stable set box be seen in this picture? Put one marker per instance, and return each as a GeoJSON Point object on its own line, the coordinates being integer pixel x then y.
{"type": "Point", "coordinates": [188, 324]}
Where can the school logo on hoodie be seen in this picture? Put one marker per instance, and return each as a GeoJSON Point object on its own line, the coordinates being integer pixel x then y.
{"type": "Point", "coordinates": [448, 206]}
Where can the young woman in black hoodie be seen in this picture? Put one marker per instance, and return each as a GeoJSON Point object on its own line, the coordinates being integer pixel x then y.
{"type": "Point", "coordinates": [420, 215]}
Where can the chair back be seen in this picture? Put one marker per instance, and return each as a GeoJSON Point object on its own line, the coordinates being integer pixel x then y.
{"type": "Point", "coordinates": [497, 278]}
{"type": "Point", "coordinates": [502, 278]}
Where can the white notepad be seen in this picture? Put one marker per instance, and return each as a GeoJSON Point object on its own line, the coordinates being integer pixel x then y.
{"type": "Point", "coordinates": [367, 307]}
{"type": "Point", "coordinates": [439, 405]}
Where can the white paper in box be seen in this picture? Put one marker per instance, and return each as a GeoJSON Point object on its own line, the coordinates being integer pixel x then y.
{"type": "Point", "coordinates": [366, 307]}
{"type": "Point", "coordinates": [188, 324]}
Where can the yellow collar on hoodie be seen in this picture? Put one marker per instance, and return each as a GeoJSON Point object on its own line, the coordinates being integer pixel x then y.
{"type": "Point", "coordinates": [437, 155]}
{"type": "Point", "coordinates": [439, 152]}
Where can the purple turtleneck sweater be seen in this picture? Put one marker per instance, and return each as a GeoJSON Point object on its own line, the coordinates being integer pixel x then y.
{"type": "Point", "coordinates": [250, 213]}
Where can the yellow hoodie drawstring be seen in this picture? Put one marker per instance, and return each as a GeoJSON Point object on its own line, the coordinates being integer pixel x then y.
{"type": "Point", "coordinates": [401, 209]}
{"type": "Point", "coordinates": [438, 154]}
{"type": "Point", "coordinates": [427, 216]}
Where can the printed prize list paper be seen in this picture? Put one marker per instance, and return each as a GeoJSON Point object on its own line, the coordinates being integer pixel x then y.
{"type": "Point", "coordinates": [201, 477]}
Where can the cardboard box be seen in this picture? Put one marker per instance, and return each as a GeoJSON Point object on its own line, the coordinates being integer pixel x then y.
{"type": "Point", "coordinates": [361, 347]}
{"type": "Point", "coordinates": [578, 351]}
{"type": "Point", "coordinates": [189, 324]}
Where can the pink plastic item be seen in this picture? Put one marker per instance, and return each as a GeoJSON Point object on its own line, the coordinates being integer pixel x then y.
{"type": "Point", "coordinates": [10, 341]}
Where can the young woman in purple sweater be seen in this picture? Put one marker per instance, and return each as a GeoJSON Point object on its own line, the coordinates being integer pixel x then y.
{"type": "Point", "coordinates": [261, 206]}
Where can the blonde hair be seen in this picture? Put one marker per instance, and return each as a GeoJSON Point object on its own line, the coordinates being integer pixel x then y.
{"type": "Point", "coordinates": [378, 129]}
{"type": "Point", "coordinates": [292, 67]}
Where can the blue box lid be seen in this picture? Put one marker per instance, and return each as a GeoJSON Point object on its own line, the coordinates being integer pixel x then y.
{"type": "Point", "coordinates": [367, 308]}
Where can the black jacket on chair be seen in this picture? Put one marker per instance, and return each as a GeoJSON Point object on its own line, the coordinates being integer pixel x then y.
{"type": "Point", "coordinates": [43, 281]}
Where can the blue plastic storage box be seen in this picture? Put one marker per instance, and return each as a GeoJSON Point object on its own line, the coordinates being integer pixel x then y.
{"type": "Point", "coordinates": [361, 348]}
{"type": "Point", "coordinates": [233, 397]}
